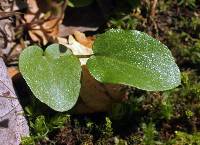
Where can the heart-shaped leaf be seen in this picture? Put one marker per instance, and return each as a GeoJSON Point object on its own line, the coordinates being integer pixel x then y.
{"type": "Point", "coordinates": [133, 58]}
{"type": "Point", "coordinates": [53, 77]}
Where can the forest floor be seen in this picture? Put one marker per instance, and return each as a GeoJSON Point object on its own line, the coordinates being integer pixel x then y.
{"type": "Point", "coordinates": [169, 117]}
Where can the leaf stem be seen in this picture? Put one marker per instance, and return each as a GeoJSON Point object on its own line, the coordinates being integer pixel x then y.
{"type": "Point", "coordinates": [84, 56]}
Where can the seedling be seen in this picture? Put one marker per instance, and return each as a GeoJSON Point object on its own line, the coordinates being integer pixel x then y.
{"type": "Point", "coordinates": [119, 57]}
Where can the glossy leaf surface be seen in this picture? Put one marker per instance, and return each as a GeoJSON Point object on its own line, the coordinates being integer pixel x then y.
{"type": "Point", "coordinates": [133, 58]}
{"type": "Point", "coordinates": [53, 77]}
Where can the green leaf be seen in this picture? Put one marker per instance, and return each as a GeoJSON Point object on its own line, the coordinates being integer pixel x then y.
{"type": "Point", "coordinates": [53, 76]}
{"type": "Point", "coordinates": [79, 3]}
{"type": "Point", "coordinates": [133, 58]}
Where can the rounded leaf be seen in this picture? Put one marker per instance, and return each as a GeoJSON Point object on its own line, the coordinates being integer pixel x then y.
{"type": "Point", "coordinates": [53, 78]}
{"type": "Point", "coordinates": [133, 58]}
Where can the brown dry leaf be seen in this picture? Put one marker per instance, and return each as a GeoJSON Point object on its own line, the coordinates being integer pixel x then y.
{"type": "Point", "coordinates": [96, 96]}
{"type": "Point", "coordinates": [81, 38]}
{"type": "Point", "coordinates": [12, 71]}
{"type": "Point", "coordinates": [43, 27]}
{"type": "Point", "coordinates": [69, 30]}
{"type": "Point", "coordinates": [76, 48]}
{"type": "Point", "coordinates": [6, 33]}
{"type": "Point", "coordinates": [12, 5]}
{"type": "Point", "coordinates": [32, 4]}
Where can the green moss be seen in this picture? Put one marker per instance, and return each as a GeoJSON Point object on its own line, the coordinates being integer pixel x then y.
{"type": "Point", "coordinates": [166, 107]}
{"type": "Point", "coordinates": [150, 133]}
{"type": "Point", "coordinates": [28, 141]}
{"type": "Point", "coordinates": [108, 130]}
{"type": "Point", "coordinates": [187, 3]}
{"type": "Point", "coordinates": [183, 138]}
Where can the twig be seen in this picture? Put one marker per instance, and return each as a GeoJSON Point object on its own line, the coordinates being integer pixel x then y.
{"type": "Point", "coordinates": [9, 97]}
{"type": "Point", "coordinates": [4, 15]}
{"type": "Point", "coordinates": [5, 38]}
{"type": "Point", "coordinates": [153, 8]}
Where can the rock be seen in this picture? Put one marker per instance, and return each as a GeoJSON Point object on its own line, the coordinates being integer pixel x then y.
{"type": "Point", "coordinates": [13, 124]}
